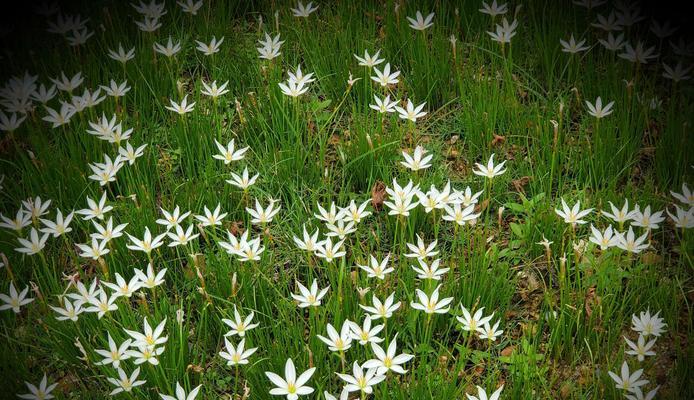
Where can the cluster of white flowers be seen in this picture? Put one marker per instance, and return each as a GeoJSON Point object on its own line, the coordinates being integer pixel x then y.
{"type": "Point", "coordinates": [645, 219]}
{"type": "Point", "coordinates": [22, 94]}
{"type": "Point", "coordinates": [646, 325]}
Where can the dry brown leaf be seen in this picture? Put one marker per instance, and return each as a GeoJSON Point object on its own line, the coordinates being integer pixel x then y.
{"type": "Point", "coordinates": [236, 228]}
{"type": "Point", "coordinates": [508, 351]}
{"type": "Point", "coordinates": [378, 194]}
{"type": "Point", "coordinates": [520, 183]}
{"type": "Point", "coordinates": [498, 139]}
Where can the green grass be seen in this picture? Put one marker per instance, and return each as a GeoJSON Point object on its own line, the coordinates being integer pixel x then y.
{"type": "Point", "coordinates": [563, 321]}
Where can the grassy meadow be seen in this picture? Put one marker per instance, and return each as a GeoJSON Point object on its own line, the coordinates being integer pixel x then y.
{"type": "Point", "coordinates": [336, 176]}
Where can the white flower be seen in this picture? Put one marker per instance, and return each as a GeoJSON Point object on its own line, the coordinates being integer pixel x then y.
{"type": "Point", "coordinates": [68, 311]}
{"type": "Point", "coordinates": [291, 385]}
{"type": "Point", "coordinates": [383, 310]}
{"type": "Point", "coordinates": [411, 112]}
{"type": "Point", "coordinates": [637, 394]}
{"type": "Point", "coordinates": [42, 392]}
{"type": "Point", "coordinates": [20, 221]}
{"type": "Point", "coordinates": [121, 55]}
{"type": "Point", "coordinates": [107, 232]}
{"type": "Point", "coordinates": [123, 287]}
{"type": "Point", "coordinates": [11, 123]}
{"type": "Point", "coordinates": [491, 170]}
{"type": "Point", "coordinates": [418, 161]}
{"type": "Point", "coordinates": [95, 250]}
{"type": "Point", "coordinates": [148, 24]}
{"type": "Point", "coordinates": [647, 324]}
{"type": "Point", "coordinates": [309, 242]}
{"type": "Point", "coordinates": [368, 60]}
{"type": "Point", "coordinates": [482, 394]}
{"type": "Point", "coordinates": [130, 153]}
{"type": "Point", "coordinates": [344, 395]}
{"type": "Point", "coordinates": [236, 355]}
{"type": "Point", "coordinates": [102, 304]}
{"type": "Point", "coordinates": [628, 381]}
{"type": "Point", "coordinates": [15, 300]}
{"type": "Point", "coordinates": [43, 95]}
{"type": "Point", "coordinates": [239, 326]}
{"type": "Point", "coordinates": [383, 106]}
{"type": "Point", "coordinates": [494, 9]}
{"type": "Point", "coordinates": [84, 295]}
{"type": "Point", "coordinates": [61, 225]}
{"type": "Point", "coordinates": [243, 181]}
{"type": "Point", "coordinates": [151, 10]}
{"type": "Point", "coordinates": [682, 219]}
{"type": "Point", "coordinates": [303, 11]}
{"type": "Point", "coordinates": [460, 215]}
{"type": "Point", "coordinates": [376, 269]}
{"type": "Point", "coordinates": [211, 48]}
{"type": "Point", "coordinates": [489, 332]}
{"type": "Point", "coordinates": [387, 360]}
{"type": "Point", "coordinates": [148, 243]}
{"type": "Point", "coordinates": [299, 78]}
{"type": "Point", "coordinates": [618, 215]}
{"type": "Point", "coordinates": [604, 239]}
{"type": "Point", "coordinates": [429, 271]}
{"type": "Point", "coordinates": [435, 199]}
{"type": "Point", "coordinates": [400, 202]}
{"type": "Point", "coordinates": [366, 333]}
{"type": "Point", "coordinates": [597, 110]}
{"type": "Point", "coordinates": [62, 117]}
{"type": "Point", "coordinates": [309, 298]}
{"type": "Point", "coordinates": [125, 383]}
{"type": "Point", "coordinates": [293, 88]}
{"type": "Point", "coordinates": [181, 237]}
{"type": "Point", "coordinates": [338, 342]}
{"type": "Point", "coordinates": [182, 108]}
{"type": "Point", "coordinates": [573, 215]}
{"type": "Point", "coordinates": [115, 354]}
{"type": "Point", "coordinates": [354, 213]}
{"type": "Point", "coordinates": [466, 197]}
{"type": "Point", "coordinates": [65, 84]}
{"type": "Point", "coordinates": [328, 216]}
{"type": "Point", "coordinates": [613, 43]}
{"type": "Point", "coordinates": [641, 349]}
{"type": "Point", "coordinates": [270, 47]}
{"type": "Point", "coordinates": [150, 280]}
{"type": "Point", "coordinates": [421, 250]}
{"type": "Point", "coordinates": [638, 54]}
{"type": "Point", "coordinates": [145, 354]}
{"type": "Point", "coordinates": [211, 218]}
{"type": "Point", "coordinates": [609, 23]}
{"type": "Point", "coordinates": [151, 338]}
{"type": "Point", "coordinates": [340, 229]}
{"type": "Point", "coordinates": [385, 78]}
{"type": "Point", "coordinates": [631, 243]}
{"type": "Point", "coordinates": [172, 219]}
{"type": "Point", "coordinates": [472, 323]}
{"type": "Point", "coordinates": [169, 50]}
{"type": "Point", "coordinates": [180, 392]}
{"type": "Point", "coordinates": [191, 7]}
{"type": "Point", "coordinates": [213, 90]}
{"type": "Point", "coordinates": [504, 32]}
{"type": "Point", "coordinates": [646, 219]}
{"type": "Point", "coordinates": [431, 304]}
{"type": "Point", "coordinates": [327, 251]}
{"type": "Point", "coordinates": [262, 216]}
{"type": "Point", "coordinates": [572, 46]}
{"type": "Point", "coordinates": [686, 197]}
{"type": "Point", "coordinates": [34, 244]}
{"type": "Point", "coordinates": [421, 23]}
{"type": "Point", "coordinates": [360, 382]}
